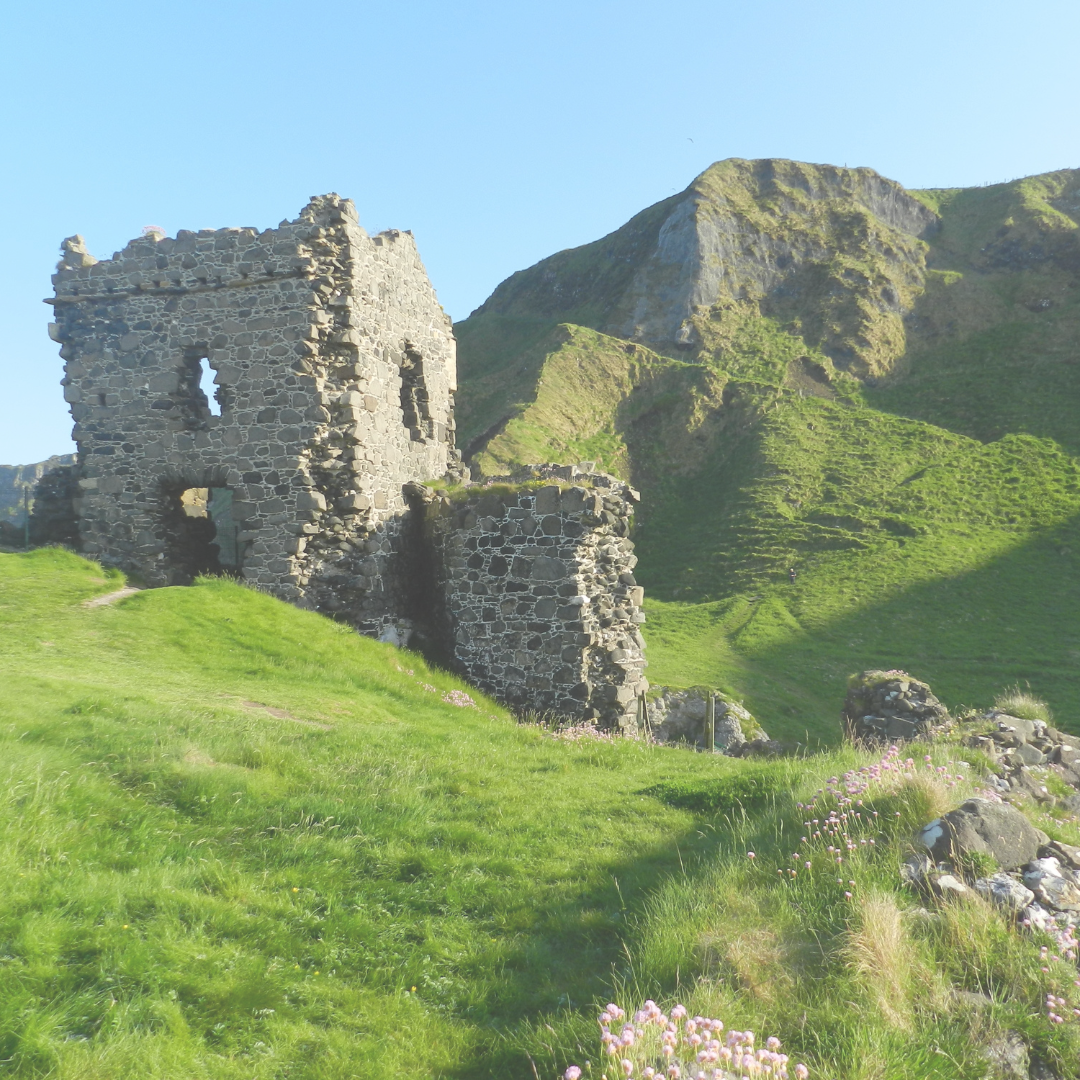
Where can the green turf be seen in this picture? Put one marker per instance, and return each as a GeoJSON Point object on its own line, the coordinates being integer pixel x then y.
{"type": "Point", "coordinates": [241, 842]}
{"type": "Point", "coordinates": [931, 516]}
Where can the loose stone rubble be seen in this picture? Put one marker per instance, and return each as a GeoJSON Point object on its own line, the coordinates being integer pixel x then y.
{"type": "Point", "coordinates": [1035, 880]}
{"type": "Point", "coordinates": [886, 706]}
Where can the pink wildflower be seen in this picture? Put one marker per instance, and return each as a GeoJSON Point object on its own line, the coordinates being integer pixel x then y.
{"type": "Point", "coordinates": [573, 1073]}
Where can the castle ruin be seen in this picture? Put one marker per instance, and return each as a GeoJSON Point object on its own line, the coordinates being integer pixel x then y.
{"type": "Point", "coordinates": [304, 473]}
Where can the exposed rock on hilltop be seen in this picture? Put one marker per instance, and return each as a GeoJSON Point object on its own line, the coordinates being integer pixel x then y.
{"type": "Point", "coordinates": [801, 366]}
{"type": "Point", "coordinates": [838, 249]}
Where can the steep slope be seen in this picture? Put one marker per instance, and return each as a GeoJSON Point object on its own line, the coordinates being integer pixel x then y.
{"type": "Point", "coordinates": [758, 375]}
{"type": "Point", "coordinates": [838, 250]}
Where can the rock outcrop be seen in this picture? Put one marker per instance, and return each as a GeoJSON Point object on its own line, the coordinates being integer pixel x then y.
{"type": "Point", "coordinates": [783, 237]}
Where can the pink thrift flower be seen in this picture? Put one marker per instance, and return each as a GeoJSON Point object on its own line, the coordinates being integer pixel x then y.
{"type": "Point", "coordinates": [573, 1073]}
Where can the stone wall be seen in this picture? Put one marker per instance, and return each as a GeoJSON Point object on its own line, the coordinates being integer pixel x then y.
{"type": "Point", "coordinates": [335, 372]}
{"type": "Point", "coordinates": [539, 603]}
{"type": "Point", "coordinates": [334, 368]}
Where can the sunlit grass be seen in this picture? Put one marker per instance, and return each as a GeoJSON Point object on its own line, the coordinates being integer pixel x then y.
{"type": "Point", "coordinates": [240, 841]}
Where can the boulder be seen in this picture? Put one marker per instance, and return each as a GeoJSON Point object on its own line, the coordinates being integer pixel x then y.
{"type": "Point", "coordinates": [678, 715]}
{"type": "Point", "coordinates": [760, 748]}
{"type": "Point", "coordinates": [1004, 891]}
{"type": "Point", "coordinates": [1052, 885]}
{"type": "Point", "coordinates": [890, 706]}
{"type": "Point", "coordinates": [986, 828]}
{"type": "Point", "coordinates": [1007, 1056]}
{"type": "Point", "coordinates": [1066, 854]}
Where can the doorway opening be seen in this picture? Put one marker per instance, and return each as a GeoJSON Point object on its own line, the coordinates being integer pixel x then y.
{"type": "Point", "coordinates": [200, 533]}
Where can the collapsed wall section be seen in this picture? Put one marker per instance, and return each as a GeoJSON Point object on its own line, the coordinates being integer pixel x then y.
{"type": "Point", "coordinates": [540, 605]}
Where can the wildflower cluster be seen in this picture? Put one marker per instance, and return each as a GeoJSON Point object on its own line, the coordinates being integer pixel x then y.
{"type": "Point", "coordinates": [1055, 1006]}
{"type": "Point", "coordinates": [459, 698]}
{"type": "Point", "coordinates": [582, 733]}
{"type": "Point", "coordinates": [845, 828]}
{"type": "Point", "coordinates": [656, 1046]}
{"type": "Point", "coordinates": [1060, 1010]}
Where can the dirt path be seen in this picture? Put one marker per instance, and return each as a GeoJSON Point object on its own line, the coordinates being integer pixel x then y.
{"type": "Point", "coordinates": [111, 598]}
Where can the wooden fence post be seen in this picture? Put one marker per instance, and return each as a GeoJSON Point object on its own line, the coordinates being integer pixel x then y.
{"type": "Point", "coordinates": [710, 724]}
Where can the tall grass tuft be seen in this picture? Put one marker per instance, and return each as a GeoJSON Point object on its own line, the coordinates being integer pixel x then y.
{"type": "Point", "coordinates": [879, 953]}
{"type": "Point", "coordinates": [1025, 706]}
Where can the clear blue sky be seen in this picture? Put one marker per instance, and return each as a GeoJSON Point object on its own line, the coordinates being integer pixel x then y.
{"type": "Point", "coordinates": [498, 132]}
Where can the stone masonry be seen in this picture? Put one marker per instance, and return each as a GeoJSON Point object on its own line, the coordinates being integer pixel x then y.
{"type": "Point", "coordinates": [540, 597]}
{"type": "Point", "coordinates": [334, 368]}
{"type": "Point", "coordinates": [335, 373]}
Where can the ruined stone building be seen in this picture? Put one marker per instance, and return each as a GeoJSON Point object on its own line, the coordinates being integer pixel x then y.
{"type": "Point", "coordinates": [333, 369]}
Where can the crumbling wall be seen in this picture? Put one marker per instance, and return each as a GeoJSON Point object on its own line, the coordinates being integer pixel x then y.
{"type": "Point", "coordinates": [540, 606]}
{"type": "Point", "coordinates": [334, 375]}
{"type": "Point", "coordinates": [307, 328]}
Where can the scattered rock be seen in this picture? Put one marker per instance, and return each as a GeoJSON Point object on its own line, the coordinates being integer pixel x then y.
{"type": "Point", "coordinates": [947, 885]}
{"type": "Point", "coordinates": [1005, 891]}
{"type": "Point", "coordinates": [760, 748]}
{"type": "Point", "coordinates": [1053, 886]}
{"type": "Point", "coordinates": [983, 827]}
{"type": "Point", "coordinates": [1066, 854]}
{"type": "Point", "coordinates": [1008, 1057]}
{"type": "Point", "coordinates": [915, 869]}
{"type": "Point", "coordinates": [1036, 917]}
{"type": "Point", "coordinates": [678, 715]}
{"type": "Point", "coordinates": [890, 706]}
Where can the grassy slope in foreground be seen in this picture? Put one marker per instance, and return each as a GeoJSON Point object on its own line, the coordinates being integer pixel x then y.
{"type": "Point", "coordinates": [236, 836]}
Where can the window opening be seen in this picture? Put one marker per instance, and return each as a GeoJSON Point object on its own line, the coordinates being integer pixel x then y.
{"type": "Point", "coordinates": [200, 534]}
{"type": "Point", "coordinates": [415, 406]}
{"type": "Point", "coordinates": [197, 397]}
{"type": "Point", "coordinates": [206, 385]}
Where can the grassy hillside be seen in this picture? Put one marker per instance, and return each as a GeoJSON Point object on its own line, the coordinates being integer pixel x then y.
{"type": "Point", "coordinates": [930, 514]}
{"type": "Point", "coordinates": [240, 841]}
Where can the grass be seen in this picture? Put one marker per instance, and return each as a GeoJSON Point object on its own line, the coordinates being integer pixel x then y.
{"type": "Point", "coordinates": [1025, 705]}
{"type": "Point", "coordinates": [240, 841]}
{"type": "Point", "coordinates": [931, 516]}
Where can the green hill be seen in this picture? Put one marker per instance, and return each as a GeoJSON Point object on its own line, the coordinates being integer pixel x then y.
{"type": "Point", "coordinates": [239, 840]}
{"type": "Point", "coordinates": [808, 366]}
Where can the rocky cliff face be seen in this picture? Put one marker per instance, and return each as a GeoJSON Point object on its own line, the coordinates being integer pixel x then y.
{"type": "Point", "coordinates": [15, 478]}
{"type": "Point", "coordinates": [836, 252]}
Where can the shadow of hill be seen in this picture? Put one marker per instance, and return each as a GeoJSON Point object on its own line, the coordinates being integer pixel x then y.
{"type": "Point", "coordinates": [969, 633]}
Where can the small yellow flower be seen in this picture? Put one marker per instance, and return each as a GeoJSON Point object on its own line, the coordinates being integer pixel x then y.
{"type": "Point", "coordinates": [414, 989]}
{"type": "Point", "coordinates": [295, 889]}
{"type": "Point", "coordinates": [125, 926]}
{"type": "Point", "coordinates": [316, 973]}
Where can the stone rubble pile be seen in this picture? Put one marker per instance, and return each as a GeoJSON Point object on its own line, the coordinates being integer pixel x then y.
{"type": "Point", "coordinates": [986, 846]}
{"type": "Point", "coordinates": [886, 706]}
{"type": "Point", "coordinates": [1034, 879]}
